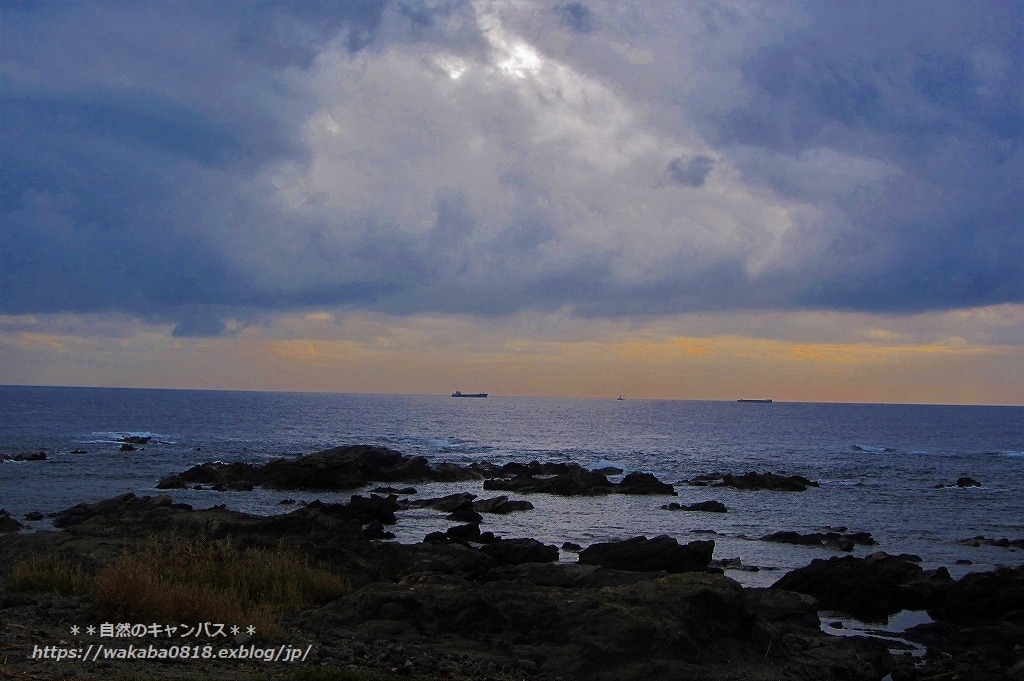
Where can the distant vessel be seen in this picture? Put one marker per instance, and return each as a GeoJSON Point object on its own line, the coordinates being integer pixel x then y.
{"type": "Point", "coordinates": [758, 401]}
{"type": "Point", "coordinates": [620, 397]}
{"type": "Point", "coordinates": [459, 393]}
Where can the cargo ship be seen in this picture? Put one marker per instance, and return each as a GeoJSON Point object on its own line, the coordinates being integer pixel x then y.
{"type": "Point", "coordinates": [459, 393]}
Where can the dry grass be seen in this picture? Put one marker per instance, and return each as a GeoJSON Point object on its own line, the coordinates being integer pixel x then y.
{"type": "Point", "coordinates": [50, 574]}
{"type": "Point", "coordinates": [191, 581]}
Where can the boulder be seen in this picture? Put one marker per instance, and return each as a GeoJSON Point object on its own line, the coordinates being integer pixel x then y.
{"type": "Point", "coordinates": [7, 523]}
{"type": "Point", "coordinates": [643, 483]}
{"type": "Point", "coordinates": [982, 596]}
{"type": "Point", "coordinates": [640, 554]}
{"type": "Point", "coordinates": [516, 551]}
{"type": "Point", "coordinates": [869, 588]}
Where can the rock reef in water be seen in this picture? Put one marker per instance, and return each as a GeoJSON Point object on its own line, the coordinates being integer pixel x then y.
{"type": "Point", "coordinates": [704, 506]}
{"type": "Point", "coordinates": [351, 467]}
{"type": "Point", "coordinates": [754, 481]}
{"type": "Point", "coordinates": [340, 468]}
{"type": "Point", "coordinates": [838, 540]}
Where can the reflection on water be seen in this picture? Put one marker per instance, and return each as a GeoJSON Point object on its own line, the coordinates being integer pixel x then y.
{"type": "Point", "coordinates": [841, 624]}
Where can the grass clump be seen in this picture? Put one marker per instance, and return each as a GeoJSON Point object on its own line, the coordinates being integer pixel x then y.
{"type": "Point", "coordinates": [51, 574]}
{"type": "Point", "coordinates": [191, 581]}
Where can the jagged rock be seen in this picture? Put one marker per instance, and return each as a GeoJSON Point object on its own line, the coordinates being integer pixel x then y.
{"type": "Point", "coordinates": [501, 505]}
{"type": "Point", "coordinates": [983, 596]}
{"type": "Point", "coordinates": [516, 551]}
{"type": "Point", "coordinates": [125, 505]}
{"type": "Point", "coordinates": [870, 587]}
{"type": "Point", "coordinates": [755, 481]}
{"type": "Point", "coordinates": [332, 469]}
{"type": "Point", "coordinates": [641, 554]}
{"type": "Point", "coordinates": [576, 481]}
{"type": "Point", "coordinates": [33, 516]}
{"type": "Point", "coordinates": [841, 541]}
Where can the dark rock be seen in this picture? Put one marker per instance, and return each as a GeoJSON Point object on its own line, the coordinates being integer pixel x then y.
{"type": "Point", "coordinates": [7, 523]}
{"type": "Point", "coordinates": [516, 551]}
{"type": "Point", "coordinates": [755, 481]}
{"type": "Point", "coordinates": [467, 532]}
{"type": "Point", "coordinates": [967, 481]}
{"type": "Point", "coordinates": [123, 506]}
{"type": "Point", "coordinates": [641, 554]}
{"type": "Point", "coordinates": [1000, 543]}
{"type": "Point", "coordinates": [609, 470]}
{"type": "Point", "coordinates": [777, 605]}
{"type": "Point", "coordinates": [575, 481]}
{"type": "Point", "coordinates": [128, 447]}
{"type": "Point", "coordinates": [33, 515]}
{"type": "Point", "coordinates": [833, 540]}
{"type": "Point", "coordinates": [332, 469]}
{"type": "Point", "coordinates": [136, 439]}
{"type": "Point", "coordinates": [28, 456]}
{"type": "Point", "coordinates": [448, 504]}
{"type": "Point", "coordinates": [983, 596]}
{"type": "Point", "coordinates": [286, 502]}
{"type": "Point", "coordinates": [643, 483]}
{"type": "Point", "coordinates": [707, 506]}
{"type": "Point", "coordinates": [869, 588]}
{"type": "Point", "coordinates": [375, 530]}
{"type": "Point", "coordinates": [501, 505]}
{"type": "Point", "coordinates": [571, 546]}
{"type": "Point", "coordinates": [465, 515]}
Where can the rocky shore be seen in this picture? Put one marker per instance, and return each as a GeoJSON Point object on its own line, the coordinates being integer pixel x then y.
{"type": "Point", "coordinates": [465, 604]}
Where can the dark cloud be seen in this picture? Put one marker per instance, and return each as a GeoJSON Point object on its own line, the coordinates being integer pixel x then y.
{"type": "Point", "coordinates": [576, 16]}
{"type": "Point", "coordinates": [690, 172]}
{"type": "Point", "coordinates": [199, 162]}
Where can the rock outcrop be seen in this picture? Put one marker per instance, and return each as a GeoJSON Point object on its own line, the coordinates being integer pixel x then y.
{"type": "Point", "coordinates": [755, 481]}
{"type": "Point", "coordinates": [640, 554]}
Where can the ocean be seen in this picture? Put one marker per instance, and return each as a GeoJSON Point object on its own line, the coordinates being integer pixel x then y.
{"type": "Point", "coordinates": [877, 465]}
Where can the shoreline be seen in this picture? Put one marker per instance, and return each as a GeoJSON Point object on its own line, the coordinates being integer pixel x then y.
{"type": "Point", "coordinates": [456, 606]}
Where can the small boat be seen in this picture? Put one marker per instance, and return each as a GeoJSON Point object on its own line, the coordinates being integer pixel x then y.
{"type": "Point", "coordinates": [757, 401]}
{"type": "Point", "coordinates": [620, 397]}
{"type": "Point", "coordinates": [459, 393]}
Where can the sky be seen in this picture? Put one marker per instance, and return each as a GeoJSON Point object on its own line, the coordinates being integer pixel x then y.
{"type": "Point", "coordinates": [816, 201]}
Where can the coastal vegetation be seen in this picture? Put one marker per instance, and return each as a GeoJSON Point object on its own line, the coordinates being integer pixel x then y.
{"type": "Point", "coordinates": [188, 580]}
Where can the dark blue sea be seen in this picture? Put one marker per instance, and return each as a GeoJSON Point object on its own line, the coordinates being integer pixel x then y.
{"type": "Point", "coordinates": [877, 465]}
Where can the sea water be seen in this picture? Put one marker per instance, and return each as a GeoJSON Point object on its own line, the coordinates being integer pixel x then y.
{"type": "Point", "coordinates": [883, 469]}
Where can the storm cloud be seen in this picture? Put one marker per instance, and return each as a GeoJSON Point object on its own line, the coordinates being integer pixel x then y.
{"type": "Point", "coordinates": [195, 162]}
